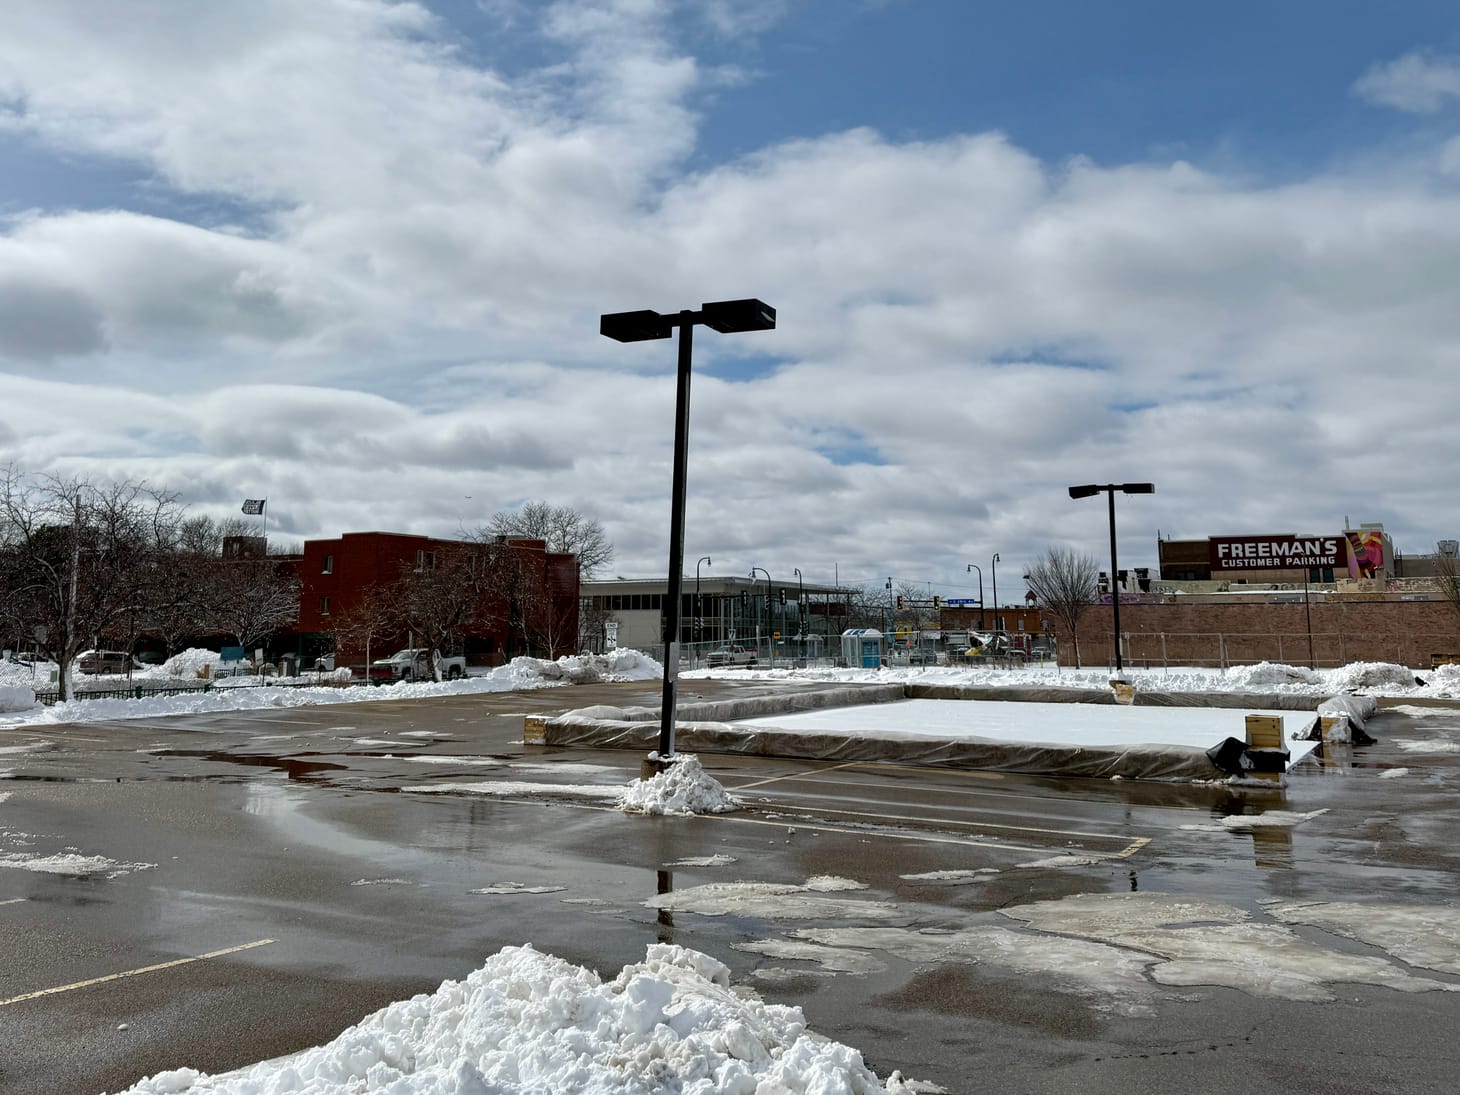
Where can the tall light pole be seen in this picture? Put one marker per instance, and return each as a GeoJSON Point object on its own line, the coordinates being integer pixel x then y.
{"type": "Point", "coordinates": [767, 608]}
{"type": "Point", "coordinates": [994, 577]}
{"type": "Point", "coordinates": [975, 566]}
{"type": "Point", "coordinates": [800, 610]}
{"type": "Point", "coordinates": [1087, 491]}
{"type": "Point", "coordinates": [699, 605]}
{"type": "Point", "coordinates": [727, 317]}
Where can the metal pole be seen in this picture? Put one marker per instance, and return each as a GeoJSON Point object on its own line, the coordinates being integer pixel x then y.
{"type": "Point", "coordinates": [994, 577]}
{"type": "Point", "coordinates": [1308, 614]}
{"type": "Point", "coordinates": [975, 567]}
{"type": "Point", "coordinates": [1114, 579]}
{"type": "Point", "coordinates": [800, 609]}
{"type": "Point", "coordinates": [676, 536]}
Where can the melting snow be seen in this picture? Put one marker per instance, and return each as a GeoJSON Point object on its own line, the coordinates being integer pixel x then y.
{"type": "Point", "coordinates": [1272, 819]}
{"type": "Point", "coordinates": [684, 787]}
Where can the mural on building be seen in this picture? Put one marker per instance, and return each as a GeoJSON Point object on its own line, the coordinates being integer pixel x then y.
{"type": "Point", "coordinates": [1366, 552]}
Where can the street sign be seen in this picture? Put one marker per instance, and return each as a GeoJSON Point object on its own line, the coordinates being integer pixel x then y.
{"type": "Point", "coordinates": [960, 602]}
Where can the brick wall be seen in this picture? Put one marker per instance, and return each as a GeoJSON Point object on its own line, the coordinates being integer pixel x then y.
{"type": "Point", "coordinates": [1204, 633]}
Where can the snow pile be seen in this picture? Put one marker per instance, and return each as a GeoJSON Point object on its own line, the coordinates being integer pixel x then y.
{"type": "Point", "coordinates": [1266, 675]}
{"type": "Point", "coordinates": [1370, 676]}
{"type": "Point", "coordinates": [188, 664]}
{"type": "Point", "coordinates": [527, 1021]}
{"type": "Point", "coordinates": [684, 787]}
{"type": "Point", "coordinates": [16, 697]}
{"type": "Point", "coordinates": [616, 665]}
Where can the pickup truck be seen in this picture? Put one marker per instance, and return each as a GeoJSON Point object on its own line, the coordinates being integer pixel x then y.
{"type": "Point", "coordinates": [414, 664]}
{"type": "Point", "coordinates": [730, 655]}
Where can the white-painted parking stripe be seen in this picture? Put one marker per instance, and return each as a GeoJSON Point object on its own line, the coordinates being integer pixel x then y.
{"type": "Point", "coordinates": [945, 819]}
{"type": "Point", "coordinates": [133, 973]}
{"type": "Point", "coordinates": [12, 901]}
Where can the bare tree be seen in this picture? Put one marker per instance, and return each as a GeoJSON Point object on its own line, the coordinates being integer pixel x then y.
{"type": "Point", "coordinates": [562, 528]}
{"type": "Point", "coordinates": [1066, 583]}
{"type": "Point", "coordinates": [376, 614]}
{"type": "Point", "coordinates": [1447, 573]}
{"type": "Point", "coordinates": [441, 593]}
{"type": "Point", "coordinates": [249, 599]}
{"type": "Point", "coordinates": [79, 559]}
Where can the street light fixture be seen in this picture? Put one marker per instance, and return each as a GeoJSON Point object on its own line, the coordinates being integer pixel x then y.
{"type": "Point", "coordinates": [727, 317]}
{"type": "Point", "coordinates": [1089, 490]}
{"type": "Point", "coordinates": [975, 566]}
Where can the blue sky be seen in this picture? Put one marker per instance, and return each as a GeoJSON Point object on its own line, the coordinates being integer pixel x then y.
{"type": "Point", "coordinates": [295, 250]}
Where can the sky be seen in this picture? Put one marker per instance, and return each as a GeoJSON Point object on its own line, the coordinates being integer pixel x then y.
{"type": "Point", "coordinates": [350, 256]}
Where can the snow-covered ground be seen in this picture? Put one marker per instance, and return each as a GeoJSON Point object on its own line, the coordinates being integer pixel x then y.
{"type": "Point", "coordinates": [1375, 678]}
{"type": "Point", "coordinates": [18, 704]}
{"type": "Point", "coordinates": [1076, 724]}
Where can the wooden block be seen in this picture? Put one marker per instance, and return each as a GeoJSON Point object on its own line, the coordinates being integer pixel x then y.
{"type": "Point", "coordinates": [1265, 731]}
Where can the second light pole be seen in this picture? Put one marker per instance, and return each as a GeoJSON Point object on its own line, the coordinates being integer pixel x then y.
{"type": "Point", "coordinates": [1110, 488]}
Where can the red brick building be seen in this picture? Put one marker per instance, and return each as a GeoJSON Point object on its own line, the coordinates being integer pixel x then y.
{"type": "Point", "coordinates": [527, 604]}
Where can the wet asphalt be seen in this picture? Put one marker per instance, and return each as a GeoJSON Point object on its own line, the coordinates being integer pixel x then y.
{"type": "Point", "coordinates": [300, 850]}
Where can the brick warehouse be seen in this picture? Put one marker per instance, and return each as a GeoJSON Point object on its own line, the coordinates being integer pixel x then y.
{"type": "Point", "coordinates": [1343, 629]}
{"type": "Point", "coordinates": [537, 614]}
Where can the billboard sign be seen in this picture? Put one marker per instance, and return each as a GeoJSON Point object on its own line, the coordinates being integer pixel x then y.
{"type": "Point", "coordinates": [1276, 552]}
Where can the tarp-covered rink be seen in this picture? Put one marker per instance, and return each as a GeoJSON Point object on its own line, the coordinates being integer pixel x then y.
{"type": "Point", "coordinates": [720, 727]}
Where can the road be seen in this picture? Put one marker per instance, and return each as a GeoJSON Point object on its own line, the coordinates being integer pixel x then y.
{"type": "Point", "coordinates": [248, 884]}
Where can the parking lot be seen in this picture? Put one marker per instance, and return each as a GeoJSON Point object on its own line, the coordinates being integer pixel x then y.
{"type": "Point", "coordinates": [250, 883]}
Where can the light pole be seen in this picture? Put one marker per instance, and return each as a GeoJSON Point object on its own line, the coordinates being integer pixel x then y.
{"type": "Point", "coordinates": [1087, 491]}
{"type": "Point", "coordinates": [994, 577]}
{"type": "Point", "coordinates": [772, 642]}
{"type": "Point", "coordinates": [727, 317]}
{"type": "Point", "coordinates": [975, 566]}
{"type": "Point", "coordinates": [699, 605]}
{"type": "Point", "coordinates": [800, 611]}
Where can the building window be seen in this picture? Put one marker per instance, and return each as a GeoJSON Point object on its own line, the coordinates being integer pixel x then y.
{"type": "Point", "coordinates": [329, 565]}
{"type": "Point", "coordinates": [324, 606]}
{"type": "Point", "coordinates": [425, 560]}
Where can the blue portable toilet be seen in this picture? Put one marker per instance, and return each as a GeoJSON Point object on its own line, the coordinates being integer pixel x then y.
{"type": "Point", "coordinates": [863, 647]}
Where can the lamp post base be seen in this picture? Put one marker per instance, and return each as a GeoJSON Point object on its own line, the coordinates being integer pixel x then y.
{"type": "Point", "coordinates": [653, 764]}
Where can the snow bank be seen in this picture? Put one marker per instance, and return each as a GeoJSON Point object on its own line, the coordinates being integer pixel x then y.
{"type": "Point", "coordinates": [189, 663]}
{"type": "Point", "coordinates": [682, 788]}
{"type": "Point", "coordinates": [16, 697]}
{"type": "Point", "coordinates": [528, 1021]}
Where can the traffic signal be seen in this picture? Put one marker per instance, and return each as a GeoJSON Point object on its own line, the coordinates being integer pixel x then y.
{"type": "Point", "coordinates": [899, 602]}
{"type": "Point", "coordinates": [783, 597]}
{"type": "Point", "coordinates": [937, 602]}
{"type": "Point", "coordinates": [744, 599]}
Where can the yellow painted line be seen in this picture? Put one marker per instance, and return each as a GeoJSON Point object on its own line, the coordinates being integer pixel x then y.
{"type": "Point", "coordinates": [133, 973]}
{"type": "Point", "coordinates": [12, 901]}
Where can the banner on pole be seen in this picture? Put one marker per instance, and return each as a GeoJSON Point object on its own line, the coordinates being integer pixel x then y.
{"type": "Point", "coordinates": [254, 505]}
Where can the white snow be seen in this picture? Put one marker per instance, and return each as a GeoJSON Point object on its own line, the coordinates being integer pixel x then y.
{"type": "Point", "coordinates": [684, 787]}
{"type": "Point", "coordinates": [530, 1022]}
{"type": "Point", "coordinates": [1081, 724]}
{"type": "Point", "coordinates": [1393, 773]}
{"type": "Point", "coordinates": [1272, 819]}
{"type": "Point", "coordinates": [254, 693]}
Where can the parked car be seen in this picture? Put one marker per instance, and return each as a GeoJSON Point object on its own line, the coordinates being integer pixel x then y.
{"type": "Point", "coordinates": [730, 655]}
{"type": "Point", "coordinates": [28, 657]}
{"type": "Point", "coordinates": [103, 661]}
{"type": "Point", "coordinates": [414, 663]}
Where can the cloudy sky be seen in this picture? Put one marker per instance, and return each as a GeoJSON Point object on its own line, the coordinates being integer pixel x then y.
{"type": "Point", "coordinates": [350, 255]}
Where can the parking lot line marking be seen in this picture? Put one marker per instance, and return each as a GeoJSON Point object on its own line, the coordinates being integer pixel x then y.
{"type": "Point", "coordinates": [934, 838]}
{"type": "Point", "coordinates": [942, 819]}
{"type": "Point", "coordinates": [12, 901]}
{"type": "Point", "coordinates": [792, 775]}
{"type": "Point", "coordinates": [133, 973]}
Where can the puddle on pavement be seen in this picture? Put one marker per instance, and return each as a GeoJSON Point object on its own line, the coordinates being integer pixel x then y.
{"type": "Point", "coordinates": [293, 767]}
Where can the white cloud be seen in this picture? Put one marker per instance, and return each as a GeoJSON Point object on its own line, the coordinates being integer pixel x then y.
{"type": "Point", "coordinates": [408, 313]}
{"type": "Point", "coordinates": [1421, 82]}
